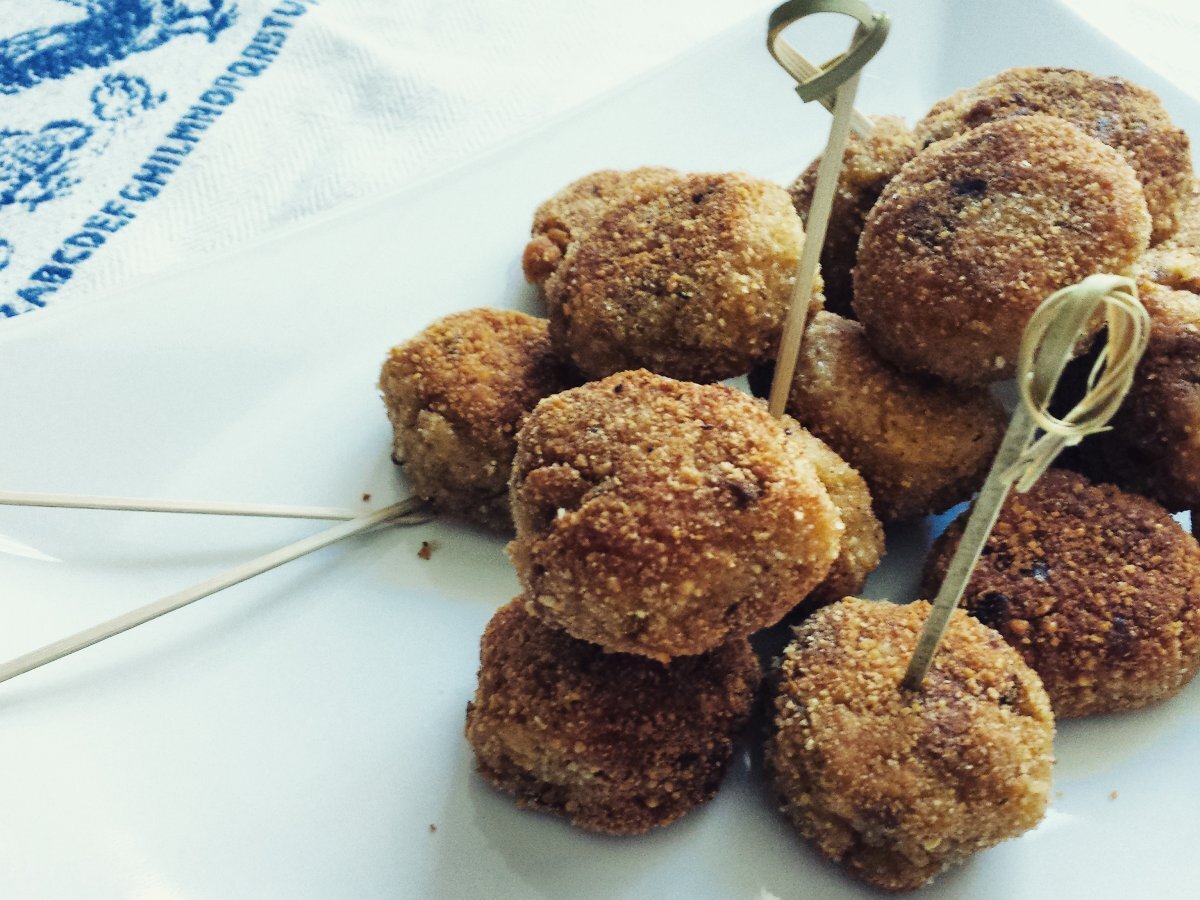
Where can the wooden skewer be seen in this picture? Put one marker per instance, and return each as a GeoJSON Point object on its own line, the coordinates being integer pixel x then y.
{"type": "Point", "coordinates": [132, 504]}
{"type": "Point", "coordinates": [801, 69]}
{"type": "Point", "coordinates": [406, 511]}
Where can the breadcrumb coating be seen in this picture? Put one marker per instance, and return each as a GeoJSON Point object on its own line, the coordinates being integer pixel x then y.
{"type": "Point", "coordinates": [689, 276]}
{"type": "Point", "coordinates": [1153, 445]}
{"type": "Point", "coordinates": [1098, 589]}
{"type": "Point", "coordinates": [615, 743]}
{"type": "Point", "coordinates": [456, 394]}
{"type": "Point", "coordinates": [976, 231]}
{"type": "Point", "coordinates": [1175, 263]}
{"type": "Point", "coordinates": [1123, 115]}
{"type": "Point", "coordinates": [862, 545]}
{"type": "Point", "coordinates": [922, 446]}
{"type": "Point", "coordinates": [898, 785]}
{"type": "Point", "coordinates": [573, 211]}
{"type": "Point", "coordinates": [867, 166]}
{"type": "Point", "coordinates": [663, 518]}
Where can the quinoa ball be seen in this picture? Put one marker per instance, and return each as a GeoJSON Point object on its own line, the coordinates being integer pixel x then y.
{"type": "Point", "coordinates": [976, 231]}
{"type": "Point", "coordinates": [898, 785]}
{"type": "Point", "coordinates": [570, 213]}
{"type": "Point", "coordinates": [688, 276]}
{"type": "Point", "coordinates": [456, 394]}
{"type": "Point", "coordinates": [664, 518]}
{"type": "Point", "coordinates": [867, 166]}
{"type": "Point", "coordinates": [862, 545]}
{"type": "Point", "coordinates": [1153, 445]}
{"type": "Point", "coordinates": [1098, 589]}
{"type": "Point", "coordinates": [921, 445]}
{"type": "Point", "coordinates": [614, 743]}
{"type": "Point", "coordinates": [1125, 116]}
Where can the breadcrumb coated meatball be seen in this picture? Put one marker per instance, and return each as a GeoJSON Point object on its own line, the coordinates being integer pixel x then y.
{"type": "Point", "coordinates": [1175, 263]}
{"type": "Point", "coordinates": [1123, 115]}
{"type": "Point", "coordinates": [455, 395]}
{"type": "Point", "coordinates": [862, 545]}
{"type": "Point", "coordinates": [689, 276]}
{"type": "Point", "coordinates": [898, 785]}
{"type": "Point", "coordinates": [663, 518]}
{"type": "Point", "coordinates": [1098, 589]}
{"type": "Point", "coordinates": [615, 743]}
{"type": "Point", "coordinates": [573, 211]}
{"type": "Point", "coordinates": [922, 446]}
{"type": "Point", "coordinates": [1153, 445]}
{"type": "Point", "coordinates": [867, 166]}
{"type": "Point", "coordinates": [976, 231]}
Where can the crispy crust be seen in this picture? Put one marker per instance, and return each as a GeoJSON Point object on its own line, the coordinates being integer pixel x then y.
{"type": "Point", "coordinates": [1154, 445]}
{"type": "Point", "coordinates": [1175, 263]}
{"type": "Point", "coordinates": [615, 743]}
{"type": "Point", "coordinates": [867, 166]}
{"type": "Point", "coordinates": [456, 394]}
{"type": "Point", "coordinates": [689, 277]}
{"type": "Point", "coordinates": [977, 230]}
{"type": "Point", "coordinates": [1098, 589]}
{"type": "Point", "coordinates": [663, 518]}
{"type": "Point", "coordinates": [1123, 115]}
{"type": "Point", "coordinates": [894, 785]}
{"type": "Point", "coordinates": [862, 545]}
{"type": "Point", "coordinates": [922, 446]}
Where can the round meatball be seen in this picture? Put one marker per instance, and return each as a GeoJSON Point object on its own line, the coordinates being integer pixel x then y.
{"type": "Point", "coordinates": [862, 545]}
{"type": "Point", "coordinates": [1098, 589]}
{"type": "Point", "coordinates": [867, 166]}
{"type": "Point", "coordinates": [690, 277]}
{"type": "Point", "coordinates": [898, 785]}
{"type": "Point", "coordinates": [615, 743]}
{"type": "Point", "coordinates": [456, 394]}
{"type": "Point", "coordinates": [574, 210]}
{"type": "Point", "coordinates": [663, 518]}
{"type": "Point", "coordinates": [976, 231]}
{"type": "Point", "coordinates": [922, 446]}
{"type": "Point", "coordinates": [1153, 445]}
{"type": "Point", "coordinates": [1123, 115]}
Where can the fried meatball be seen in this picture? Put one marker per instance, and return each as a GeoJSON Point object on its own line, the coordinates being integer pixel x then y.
{"type": "Point", "coordinates": [663, 518]}
{"type": "Point", "coordinates": [1123, 115]}
{"type": "Point", "coordinates": [898, 785]}
{"type": "Point", "coordinates": [615, 743]}
{"type": "Point", "coordinates": [976, 231]}
{"type": "Point", "coordinates": [1175, 263]}
{"type": "Point", "coordinates": [690, 277]}
{"type": "Point", "coordinates": [1153, 445]}
{"type": "Point", "coordinates": [1098, 589]}
{"type": "Point", "coordinates": [922, 446]}
{"type": "Point", "coordinates": [456, 394]}
{"type": "Point", "coordinates": [862, 545]}
{"type": "Point", "coordinates": [867, 166]}
{"type": "Point", "coordinates": [570, 213]}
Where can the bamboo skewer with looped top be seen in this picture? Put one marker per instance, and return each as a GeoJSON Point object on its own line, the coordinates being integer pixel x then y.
{"type": "Point", "coordinates": [837, 79]}
{"type": "Point", "coordinates": [405, 512]}
{"type": "Point", "coordinates": [1047, 345]}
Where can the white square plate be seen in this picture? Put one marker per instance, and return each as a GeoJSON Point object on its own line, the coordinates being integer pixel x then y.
{"type": "Point", "coordinates": [301, 735]}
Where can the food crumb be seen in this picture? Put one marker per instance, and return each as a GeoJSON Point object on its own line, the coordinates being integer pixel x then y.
{"type": "Point", "coordinates": [1058, 795]}
{"type": "Point", "coordinates": [366, 498]}
{"type": "Point", "coordinates": [432, 828]}
{"type": "Point", "coordinates": [426, 550]}
{"type": "Point", "coordinates": [1112, 796]}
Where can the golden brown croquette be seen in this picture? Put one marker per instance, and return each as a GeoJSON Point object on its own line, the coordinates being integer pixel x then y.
{"type": "Point", "coordinates": [922, 446]}
{"type": "Point", "coordinates": [614, 743]}
{"type": "Point", "coordinates": [976, 231]}
{"type": "Point", "coordinates": [455, 395]}
{"type": "Point", "coordinates": [1153, 445]}
{"type": "Point", "coordinates": [570, 213]}
{"type": "Point", "coordinates": [898, 785]}
{"type": "Point", "coordinates": [1123, 115]}
{"type": "Point", "coordinates": [1098, 589]}
{"type": "Point", "coordinates": [663, 518]}
{"type": "Point", "coordinates": [1175, 263]}
{"type": "Point", "coordinates": [867, 166]}
{"type": "Point", "coordinates": [862, 545]}
{"type": "Point", "coordinates": [690, 277]}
